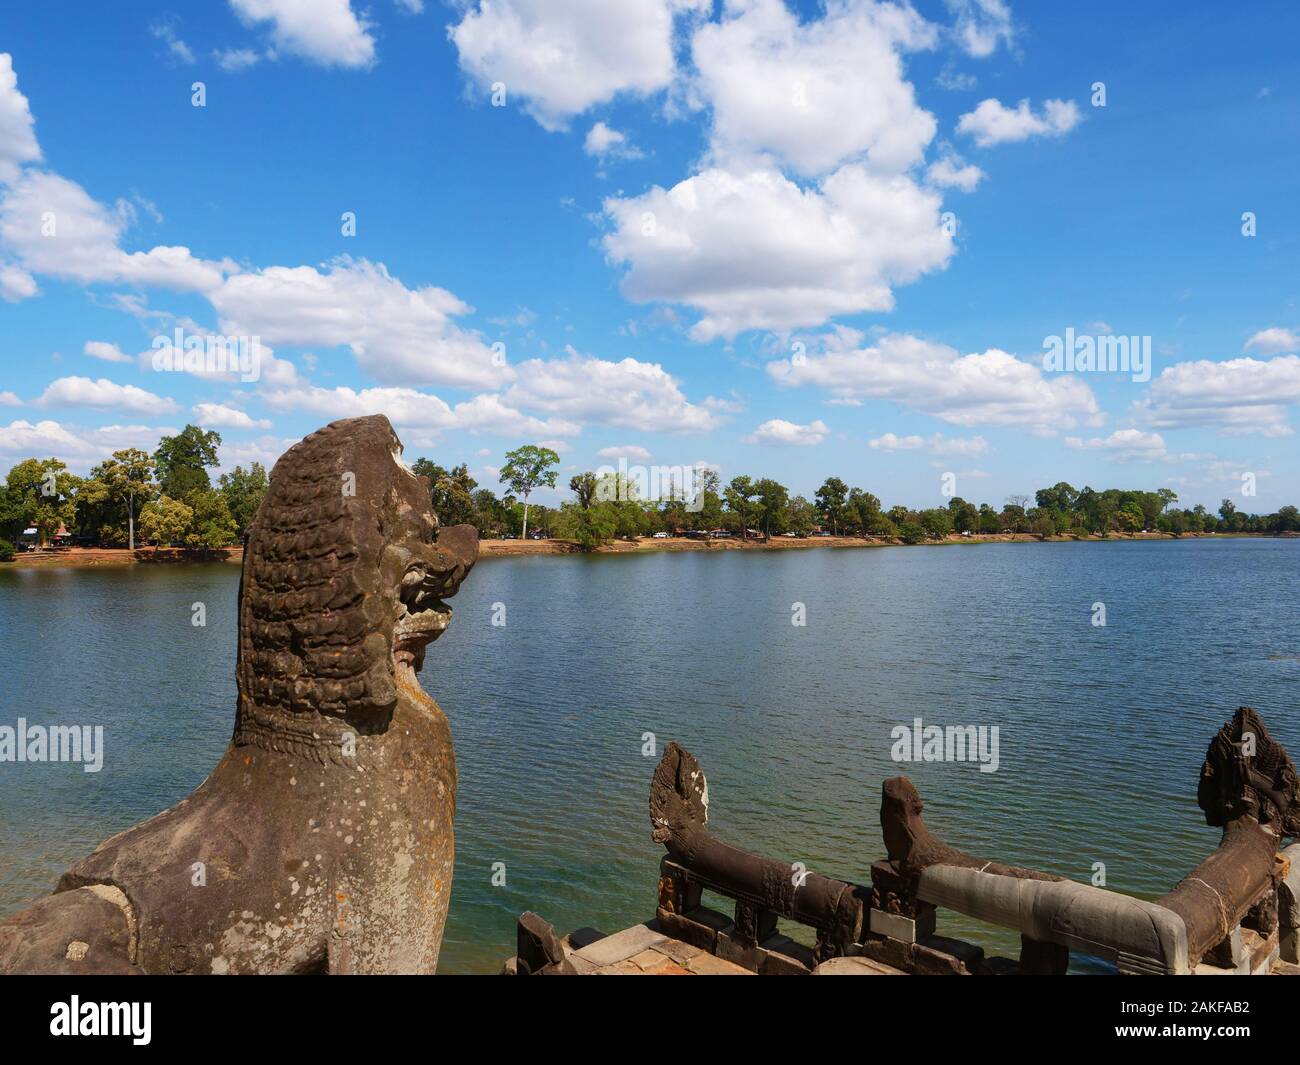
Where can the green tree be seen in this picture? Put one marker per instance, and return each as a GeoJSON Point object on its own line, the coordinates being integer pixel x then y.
{"type": "Point", "coordinates": [705, 507]}
{"type": "Point", "coordinates": [128, 476]}
{"type": "Point", "coordinates": [770, 506]}
{"type": "Point", "coordinates": [243, 490]}
{"type": "Point", "coordinates": [801, 516]}
{"type": "Point", "coordinates": [863, 511]}
{"type": "Point", "coordinates": [739, 496]}
{"type": "Point", "coordinates": [1129, 518]}
{"type": "Point", "coordinates": [211, 524]}
{"type": "Point", "coordinates": [583, 485]}
{"type": "Point", "coordinates": [1042, 522]}
{"type": "Point", "coordinates": [618, 498]}
{"type": "Point", "coordinates": [489, 514]}
{"type": "Point", "coordinates": [451, 492]}
{"type": "Point", "coordinates": [40, 493]}
{"type": "Point", "coordinates": [182, 461]}
{"type": "Point", "coordinates": [911, 532]}
{"type": "Point", "coordinates": [528, 468]}
{"type": "Point", "coordinates": [936, 522]}
{"type": "Point", "coordinates": [990, 523]}
{"type": "Point", "coordinates": [1013, 518]}
{"type": "Point", "coordinates": [100, 515]}
{"type": "Point", "coordinates": [965, 518]}
{"type": "Point", "coordinates": [165, 520]}
{"type": "Point", "coordinates": [1061, 496]}
{"type": "Point", "coordinates": [589, 526]}
{"type": "Point", "coordinates": [831, 499]}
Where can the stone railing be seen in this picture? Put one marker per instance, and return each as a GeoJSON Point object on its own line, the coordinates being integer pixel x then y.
{"type": "Point", "coordinates": [1238, 912]}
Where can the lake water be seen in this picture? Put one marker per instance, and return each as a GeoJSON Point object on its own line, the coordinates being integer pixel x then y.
{"type": "Point", "coordinates": [1102, 729]}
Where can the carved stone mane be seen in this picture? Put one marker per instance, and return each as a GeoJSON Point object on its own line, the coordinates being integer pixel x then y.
{"type": "Point", "coordinates": [316, 613]}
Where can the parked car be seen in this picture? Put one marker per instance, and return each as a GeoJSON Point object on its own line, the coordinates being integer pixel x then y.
{"type": "Point", "coordinates": [661, 536]}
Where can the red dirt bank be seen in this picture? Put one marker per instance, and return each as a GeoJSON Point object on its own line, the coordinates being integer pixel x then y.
{"type": "Point", "coordinates": [120, 556]}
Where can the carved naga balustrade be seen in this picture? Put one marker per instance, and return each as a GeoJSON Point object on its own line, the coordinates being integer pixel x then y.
{"type": "Point", "coordinates": [1238, 912]}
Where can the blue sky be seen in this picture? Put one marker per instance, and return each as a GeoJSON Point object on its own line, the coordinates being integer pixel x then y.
{"type": "Point", "coordinates": [790, 241]}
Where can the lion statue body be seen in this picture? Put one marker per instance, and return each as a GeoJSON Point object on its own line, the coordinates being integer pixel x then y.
{"type": "Point", "coordinates": [323, 839]}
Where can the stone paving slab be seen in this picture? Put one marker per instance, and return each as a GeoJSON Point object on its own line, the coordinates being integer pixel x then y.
{"type": "Point", "coordinates": [855, 967]}
{"type": "Point", "coordinates": [707, 965]}
{"type": "Point", "coordinates": [621, 945]}
{"type": "Point", "coordinates": [677, 950]}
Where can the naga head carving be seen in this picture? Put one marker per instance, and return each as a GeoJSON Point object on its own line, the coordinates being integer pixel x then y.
{"type": "Point", "coordinates": [679, 799]}
{"type": "Point", "coordinates": [346, 573]}
{"type": "Point", "coordinates": [1247, 773]}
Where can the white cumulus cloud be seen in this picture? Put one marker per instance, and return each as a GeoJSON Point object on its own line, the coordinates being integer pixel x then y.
{"type": "Point", "coordinates": [817, 93]}
{"type": "Point", "coordinates": [630, 452]}
{"type": "Point", "coordinates": [100, 349]}
{"type": "Point", "coordinates": [103, 394]}
{"type": "Point", "coordinates": [220, 416]}
{"type": "Point", "coordinates": [17, 128]}
{"type": "Point", "coordinates": [397, 334]}
{"type": "Point", "coordinates": [1124, 445]}
{"type": "Point", "coordinates": [328, 32]}
{"type": "Point", "coordinates": [777, 432]}
{"type": "Point", "coordinates": [753, 250]}
{"type": "Point", "coordinates": [627, 393]}
{"type": "Point", "coordinates": [562, 58]}
{"type": "Point", "coordinates": [1275, 341]}
{"type": "Point", "coordinates": [1236, 396]}
{"type": "Point", "coordinates": [979, 26]}
{"type": "Point", "coordinates": [604, 142]}
{"type": "Point", "coordinates": [984, 388]}
{"type": "Point", "coordinates": [937, 444]}
{"type": "Point", "coordinates": [55, 228]}
{"type": "Point", "coordinates": [952, 172]}
{"type": "Point", "coordinates": [420, 410]}
{"type": "Point", "coordinates": [992, 123]}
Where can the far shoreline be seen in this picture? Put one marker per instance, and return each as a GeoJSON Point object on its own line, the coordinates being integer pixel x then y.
{"type": "Point", "coordinates": [104, 557]}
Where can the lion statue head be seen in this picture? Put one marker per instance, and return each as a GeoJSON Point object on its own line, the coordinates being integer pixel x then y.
{"type": "Point", "coordinates": [345, 578]}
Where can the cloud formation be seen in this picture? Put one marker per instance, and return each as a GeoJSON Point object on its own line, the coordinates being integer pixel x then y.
{"type": "Point", "coordinates": [753, 250]}
{"type": "Point", "coordinates": [984, 388]}
{"type": "Point", "coordinates": [1236, 396]}
{"type": "Point", "coordinates": [777, 432]}
{"type": "Point", "coordinates": [327, 32]}
{"type": "Point", "coordinates": [104, 395]}
{"type": "Point", "coordinates": [815, 94]}
{"type": "Point", "coordinates": [562, 59]}
{"type": "Point", "coordinates": [992, 123]}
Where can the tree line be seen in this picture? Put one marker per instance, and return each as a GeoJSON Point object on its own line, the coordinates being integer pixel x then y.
{"type": "Point", "coordinates": [168, 497]}
{"type": "Point", "coordinates": [163, 498]}
{"type": "Point", "coordinates": [606, 507]}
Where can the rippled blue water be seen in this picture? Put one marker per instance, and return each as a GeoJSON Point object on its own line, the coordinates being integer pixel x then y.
{"type": "Point", "coordinates": [1102, 730]}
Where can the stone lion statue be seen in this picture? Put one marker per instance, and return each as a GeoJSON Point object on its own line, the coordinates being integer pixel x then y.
{"type": "Point", "coordinates": [322, 841]}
